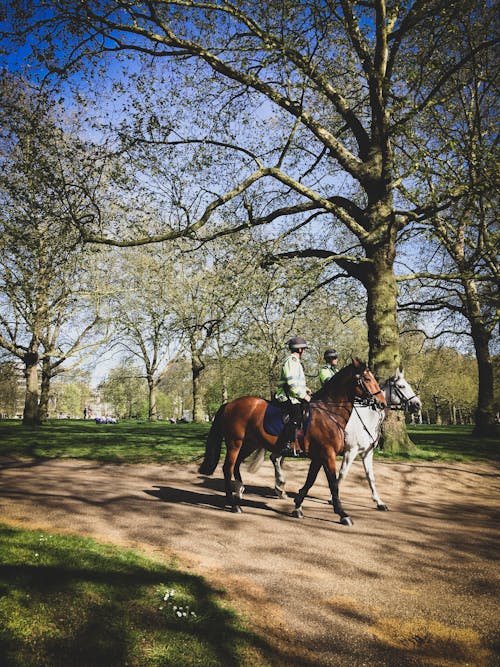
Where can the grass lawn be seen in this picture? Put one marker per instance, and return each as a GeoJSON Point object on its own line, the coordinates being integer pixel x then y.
{"type": "Point", "coordinates": [71, 602]}
{"type": "Point", "coordinates": [452, 443]}
{"type": "Point", "coordinates": [144, 442]}
{"type": "Point", "coordinates": [129, 441]}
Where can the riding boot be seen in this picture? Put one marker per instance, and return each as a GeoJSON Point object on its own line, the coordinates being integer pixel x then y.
{"type": "Point", "coordinates": [291, 446]}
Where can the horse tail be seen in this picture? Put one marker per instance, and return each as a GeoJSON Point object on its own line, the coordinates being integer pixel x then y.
{"type": "Point", "coordinates": [213, 444]}
{"type": "Point", "coordinates": [256, 460]}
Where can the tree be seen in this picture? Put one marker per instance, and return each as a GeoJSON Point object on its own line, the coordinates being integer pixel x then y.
{"type": "Point", "coordinates": [9, 388]}
{"type": "Point", "coordinates": [337, 85]}
{"type": "Point", "coordinates": [142, 311]}
{"type": "Point", "coordinates": [43, 289]}
{"type": "Point", "coordinates": [125, 391]}
{"type": "Point", "coordinates": [462, 270]}
{"type": "Point", "coordinates": [208, 288]}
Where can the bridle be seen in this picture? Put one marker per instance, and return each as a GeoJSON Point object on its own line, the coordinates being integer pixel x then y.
{"type": "Point", "coordinates": [404, 400]}
{"type": "Point", "coordinates": [368, 397]}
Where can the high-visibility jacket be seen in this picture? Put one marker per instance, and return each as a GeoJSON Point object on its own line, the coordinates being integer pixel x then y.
{"type": "Point", "coordinates": [326, 372]}
{"type": "Point", "coordinates": [292, 381]}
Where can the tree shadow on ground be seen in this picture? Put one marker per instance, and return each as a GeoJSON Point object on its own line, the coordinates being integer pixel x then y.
{"type": "Point", "coordinates": [98, 606]}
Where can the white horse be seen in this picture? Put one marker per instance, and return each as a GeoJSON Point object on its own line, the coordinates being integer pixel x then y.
{"type": "Point", "coordinates": [362, 435]}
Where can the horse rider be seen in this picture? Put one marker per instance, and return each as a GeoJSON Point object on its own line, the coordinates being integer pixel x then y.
{"type": "Point", "coordinates": [330, 368]}
{"type": "Point", "coordinates": [293, 393]}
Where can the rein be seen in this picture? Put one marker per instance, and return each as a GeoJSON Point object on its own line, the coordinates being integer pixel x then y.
{"type": "Point", "coordinates": [323, 408]}
{"type": "Point", "coordinates": [373, 438]}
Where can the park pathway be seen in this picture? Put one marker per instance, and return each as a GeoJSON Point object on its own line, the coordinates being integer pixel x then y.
{"type": "Point", "coordinates": [417, 585]}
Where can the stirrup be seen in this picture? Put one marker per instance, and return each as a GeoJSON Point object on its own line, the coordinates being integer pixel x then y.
{"type": "Point", "coordinates": [288, 450]}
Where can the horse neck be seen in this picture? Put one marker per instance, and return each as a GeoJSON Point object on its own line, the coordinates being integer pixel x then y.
{"type": "Point", "coordinates": [337, 395]}
{"type": "Point", "coordinates": [366, 415]}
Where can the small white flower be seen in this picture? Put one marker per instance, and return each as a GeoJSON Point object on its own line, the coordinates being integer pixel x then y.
{"type": "Point", "coordinates": [179, 613]}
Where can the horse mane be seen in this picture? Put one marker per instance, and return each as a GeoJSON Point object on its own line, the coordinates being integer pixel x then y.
{"type": "Point", "coordinates": [331, 388]}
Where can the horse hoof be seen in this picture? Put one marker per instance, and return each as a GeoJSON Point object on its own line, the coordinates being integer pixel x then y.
{"type": "Point", "coordinates": [346, 521]}
{"type": "Point", "coordinates": [383, 508]}
{"type": "Point", "coordinates": [236, 509]}
{"type": "Point", "coordinates": [298, 513]}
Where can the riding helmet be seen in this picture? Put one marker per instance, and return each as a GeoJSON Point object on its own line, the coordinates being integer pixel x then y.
{"type": "Point", "coordinates": [297, 343]}
{"type": "Point", "coordinates": [330, 354]}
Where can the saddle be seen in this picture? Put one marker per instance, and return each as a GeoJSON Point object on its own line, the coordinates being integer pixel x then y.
{"type": "Point", "coordinates": [276, 416]}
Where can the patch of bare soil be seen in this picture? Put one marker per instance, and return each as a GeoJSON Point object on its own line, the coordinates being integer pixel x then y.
{"type": "Point", "coordinates": [417, 585]}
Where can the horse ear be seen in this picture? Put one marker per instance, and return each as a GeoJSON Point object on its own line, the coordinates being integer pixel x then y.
{"type": "Point", "coordinates": [401, 368]}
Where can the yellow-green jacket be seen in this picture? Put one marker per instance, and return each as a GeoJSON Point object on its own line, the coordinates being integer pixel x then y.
{"type": "Point", "coordinates": [326, 372]}
{"type": "Point", "coordinates": [292, 381]}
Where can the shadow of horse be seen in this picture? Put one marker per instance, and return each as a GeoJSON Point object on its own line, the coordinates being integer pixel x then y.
{"type": "Point", "coordinates": [170, 494]}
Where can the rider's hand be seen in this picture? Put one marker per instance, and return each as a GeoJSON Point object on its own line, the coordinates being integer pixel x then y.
{"type": "Point", "coordinates": [307, 397]}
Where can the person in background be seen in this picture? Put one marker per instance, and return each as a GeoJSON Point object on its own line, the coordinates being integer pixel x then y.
{"type": "Point", "coordinates": [292, 392]}
{"type": "Point", "coordinates": [330, 368]}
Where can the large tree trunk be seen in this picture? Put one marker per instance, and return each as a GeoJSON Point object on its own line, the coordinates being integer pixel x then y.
{"type": "Point", "coordinates": [485, 413]}
{"type": "Point", "coordinates": [30, 414]}
{"type": "Point", "coordinates": [197, 367]}
{"type": "Point", "coordinates": [152, 409]}
{"type": "Point", "coordinates": [383, 337]}
{"type": "Point", "coordinates": [43, 406]}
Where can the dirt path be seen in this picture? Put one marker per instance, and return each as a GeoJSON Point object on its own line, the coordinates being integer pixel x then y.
{"type": "Point", "coordinates": [417, 585]}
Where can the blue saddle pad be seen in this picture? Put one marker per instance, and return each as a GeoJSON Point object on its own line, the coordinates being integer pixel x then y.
{"type": "Point", "coordinates": [273, 419]}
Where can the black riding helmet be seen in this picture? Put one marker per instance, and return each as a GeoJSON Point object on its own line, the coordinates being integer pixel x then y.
{"type": "Point", "coordinates": [297, 343]}
{"type": "Point", "coordinates": [330, 354]}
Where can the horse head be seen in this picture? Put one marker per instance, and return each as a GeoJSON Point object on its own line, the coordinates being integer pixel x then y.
{"type": "Point", "coordinates": [367, 387]}
{"type": "Point", "coordinates": [399, 394]}
{"type": "Point", "coordinates": [356, 379]}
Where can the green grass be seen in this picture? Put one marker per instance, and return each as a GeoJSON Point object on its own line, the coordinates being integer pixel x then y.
{"type": "Point", "coordinates": [67, 601]}
{"type": "Point", "coordinates": [452, 443]}
{"type": "Point", "coordinates": [126, 442]}
{"type": "Point", "coordinates": [144, 442]}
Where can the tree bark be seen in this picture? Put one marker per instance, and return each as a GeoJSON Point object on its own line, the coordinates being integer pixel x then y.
{"type": "Point", "coordinates": [383, 337]}
{"type": "Point", "coordinates": [485, 413]}
{"type": "Point", "coordinates": [197, 367]}
{"type": "Point", "coordinates": [43, 406]}
{"type": "Point", "coordinates": [152, 409]}
{"type": "Point", "coordinates": [30, 415]}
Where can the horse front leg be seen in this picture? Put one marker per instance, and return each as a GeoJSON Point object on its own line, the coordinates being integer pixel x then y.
{"type": "Point", "coordinates": [350, 454]}
{"type": "Point", "coordinates": [279, 476]}
{"type": "Point", "coordinates": [233, 450]}
{"type": "Point", "coordinates": [331, 475]}
{"type": "Point", "coordinates": [368, 466]}
{"type": "Point", "coordinates": [314, 468]}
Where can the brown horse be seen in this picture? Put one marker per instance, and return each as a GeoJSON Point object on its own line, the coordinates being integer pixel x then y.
{"type": "Point", "coordinates": [241, 424]}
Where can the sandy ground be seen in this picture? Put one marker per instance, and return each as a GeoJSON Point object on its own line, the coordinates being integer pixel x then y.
{"type": "Point", "coordinates": [417, 585]}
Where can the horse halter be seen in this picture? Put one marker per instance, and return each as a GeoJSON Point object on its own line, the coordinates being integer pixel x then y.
{"type": "Point", "coordinates": [368, 398]}
{"type": "Point", "coordinates": [404, 400]}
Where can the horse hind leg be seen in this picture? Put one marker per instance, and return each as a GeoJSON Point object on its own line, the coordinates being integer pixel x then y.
{"type": "Point", "coordinates": [239, 487]}
{"type": "Point", "coordinates": [279, 477]}
{"type": "Point", "coordinates": [233, 450]}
